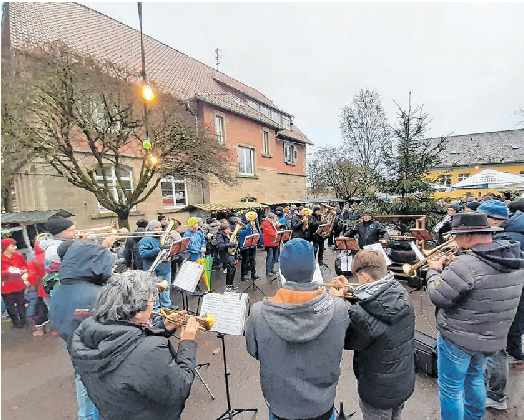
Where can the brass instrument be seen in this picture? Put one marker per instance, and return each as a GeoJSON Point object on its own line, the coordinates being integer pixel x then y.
{"type": "Point", "coordinates": [449, 247]}
{"type": "Point", "coordinates": [339, 286]}
{"type": "Point", "coordinates": [307, 211]}
{"type": "Point", "coordinates": [251, 217]}
{"type": "Point", "coordinates": [329, 217]}
{"type": "Point", "coordinates": [167, 234]}
{"type": "Point", "coordinates": [234, 238]}
{"type": "Point", "coordinates": [205, 323]}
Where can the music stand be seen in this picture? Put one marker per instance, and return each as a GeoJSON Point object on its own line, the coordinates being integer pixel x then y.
{"type": "Point", "coordinates": [252, 240]}
{"type": "Point", "coordinates": [323, 229]}
{"type": "Point", "coordinates": [347, 244]}
{"type": "Point", "coordinates": [230, 412]}
{"type": "Point", "coordinates": [282, 236]}
{"type": "Point", "coordinates": [422, 235]}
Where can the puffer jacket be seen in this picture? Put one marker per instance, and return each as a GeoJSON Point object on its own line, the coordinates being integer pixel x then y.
{"type": "Point", "coordinates": [381, 330]}
{"type": "Point", "coordinates": [513, 229]}
{"type": "Point", "coordinates": [477, 295]}
{"type": "Point", "coordinates": [132, 372]}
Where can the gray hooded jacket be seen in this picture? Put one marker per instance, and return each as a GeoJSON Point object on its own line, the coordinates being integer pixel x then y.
{"type": "Point", "coordinates": [477, 294]}
{"type": "Point", "coordinates": [299, 347]}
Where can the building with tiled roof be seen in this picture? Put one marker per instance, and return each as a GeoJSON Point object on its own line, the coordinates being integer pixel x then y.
{"type": "Point", "coordinates": [468, 154]}
{"type": "Point", "coordinates": [270, 149]}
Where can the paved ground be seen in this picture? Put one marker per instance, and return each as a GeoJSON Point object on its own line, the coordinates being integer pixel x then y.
{"type": "Point", "coordinates": [37, 376]}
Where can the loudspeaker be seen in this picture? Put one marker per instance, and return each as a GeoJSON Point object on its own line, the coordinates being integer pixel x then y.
{"type": "Point", "coordinates": [426, 354]}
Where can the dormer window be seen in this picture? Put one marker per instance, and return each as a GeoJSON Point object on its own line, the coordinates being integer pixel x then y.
{"type": "Point", "coordinates": [290, 153]}
{"type": "Point", "coordinates": [286, 122]}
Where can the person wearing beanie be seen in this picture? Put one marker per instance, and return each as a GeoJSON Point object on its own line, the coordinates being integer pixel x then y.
{"type": "Point", "coordinates": [381, 332]}
{"type": "Point", "coordinates": [444, 226]}
{"type": "Point", "coordinates": [270, 227]}
{"type": "Point", "coordinates": [197, 244]}
{"type": "Point", "coordinates": [496, 372]}
{"type": "Point", "coordinates": [298, 336]}
{"type": "Point", "coordinates": [149, 247]}
{"type": "Point", "coordinates": [472, 206]}
{"type": "Point", "coordinates": [369, 231]}
{"type": "Point", "coordinates": [163, 221]}
{"type": "Point", "coordinates": [281, 217]}
{"type": "Point", "coordinates": [14, 279]}
{"type": "Point", "coordinates": [477, 294]}
{"type": "Point", "coordinates": [227, 260]}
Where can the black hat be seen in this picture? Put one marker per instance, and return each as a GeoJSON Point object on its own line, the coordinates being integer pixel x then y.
{"type": "Point", "coordinates": [473, 205]}
{"type": "Point", "coordinates": [471, 222]}
{"type": "Point", "coordinates": [514, 206]}
{"type": "Point", "coordinates": [58, 224]}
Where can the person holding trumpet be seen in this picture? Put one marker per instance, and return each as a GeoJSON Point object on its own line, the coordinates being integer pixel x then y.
{"type": "Point", "coordinates": [117, 345]}
{"type": "Point", "coordinates": [381, 333]}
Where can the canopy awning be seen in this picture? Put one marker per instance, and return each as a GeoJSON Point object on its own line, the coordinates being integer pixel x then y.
{"type": "Point", "coordinates": [489, 178]}
{"type": "Point", "coordinates": [224, 206]}
{"type": "Point", "coordinates": [32, 217]}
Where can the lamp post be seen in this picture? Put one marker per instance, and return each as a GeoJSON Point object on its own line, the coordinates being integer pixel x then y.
{"type": "Point", "coordinates": [146, 91]}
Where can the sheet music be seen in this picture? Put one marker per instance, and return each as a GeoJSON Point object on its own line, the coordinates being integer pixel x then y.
{"type": "Point", "coordinates": [230, 311]}
{"type": "Point", "coordinates": [188, 276]}
{"type": "Point", "coordinates": [378, 247]}
{"type": "Point", "coordinates": [417, 252]}
{"type": "Point", "coordinates": [345, 262]}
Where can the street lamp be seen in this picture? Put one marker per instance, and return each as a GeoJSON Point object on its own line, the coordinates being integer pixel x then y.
{"type": "Point", "coordinates": [146, 91]}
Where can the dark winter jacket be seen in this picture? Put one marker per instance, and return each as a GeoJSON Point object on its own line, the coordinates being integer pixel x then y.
{"type": "Point", "coordinates": [131, 372]}
{"type": "Point", "coordinates": [477, 295]}
{"type": "Point", "coordinates": [246, 232]}
{"type": "Point", "coordinates": [381, 331]}
{"type": "Point", "coordinates": [131, 253]}
{"type": "Point", "coordinates": [368, 233]}
{"type": "Point", "coordinates": [513, 229]}
{"type": "Point", "coordinates": [299, 347]}
{"type": "Point", "coordinates": [224, 244]}
{"type": "Point", "coordinates": [149, 247]}
{"type": "Point", "coordinates": [314, 221]}
{"type": "Point", "coordinates": [296, 226]}
{"type": "Point", "coordinates": [85, 268]}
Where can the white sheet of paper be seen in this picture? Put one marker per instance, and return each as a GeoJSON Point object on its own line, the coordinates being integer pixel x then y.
{"type": "Point", "coordinates": [229, 309]}
{"type": "Point", "coordinates": [188, 276]}
{"type": "Point", "coordinates": [417, 251]}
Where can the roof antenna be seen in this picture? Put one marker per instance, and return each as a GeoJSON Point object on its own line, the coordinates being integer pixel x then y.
{"type": "Point", "coordinates": [217, 52]}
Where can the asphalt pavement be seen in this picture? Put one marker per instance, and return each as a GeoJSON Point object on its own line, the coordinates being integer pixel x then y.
{"type": "Point", "coordinates": [37, 379]}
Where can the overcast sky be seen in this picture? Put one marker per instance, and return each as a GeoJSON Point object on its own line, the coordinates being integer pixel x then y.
{"type": "Point", "coordinates": [463, 62]}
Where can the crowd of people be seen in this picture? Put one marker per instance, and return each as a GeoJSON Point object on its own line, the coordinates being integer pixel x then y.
{"type": "Point", "coordinates": [110, 318]}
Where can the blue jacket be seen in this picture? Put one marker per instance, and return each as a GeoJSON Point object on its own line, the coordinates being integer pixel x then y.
{"type": "Point", "coordinates": [85, 268]}
{"type": "Point", "coordinates": [197, 242]}
{"type": "Point", "coordinates": [246, 232]}
{"type": "Point", "coordinates": [149, 247]}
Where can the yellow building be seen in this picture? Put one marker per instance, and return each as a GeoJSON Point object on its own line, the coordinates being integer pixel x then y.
{"type": "Point", "coordinates": [468, 154]}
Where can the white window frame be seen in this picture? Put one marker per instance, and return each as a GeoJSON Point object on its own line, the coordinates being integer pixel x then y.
{"type": "Point", "coordinates": [275, 116]}
{"type": "Point", "coordinates": [445, 180]}
{"type": "Point", "coordinates": [290, 153]}
{"type": "Point", "coordinates": [265, 143]}
{"type": "Point", "coordinates": [174, 191]}
{"type": "Point", "coordinates": [286, 122]}
{"type": "Point", "coordinates": [264, 110]}
{"type": "Point", "coordinates": [220, 129]}
{"type": "Point", "coordinates": [253, 104]}
{"type": "Point", "coordinates": [246, 154]}
{"type": "Point", "coordinates": [111, 182]}
{"type": "Point", "coordinates": [462, 177]}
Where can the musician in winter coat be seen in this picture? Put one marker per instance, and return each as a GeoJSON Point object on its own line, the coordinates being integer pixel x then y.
{"type": "Point", "coordinates": [297, 225]}
{"type": "Point", "coordinates": [248, 253]}
{"type": "Point", "coordinates": [477, 295]}
{"type": "Point", "coordinates": [270, 227]}
{"type": "Point", "coordinates": [381, 331]}
{"type": "Point", "coordinates": [131, 370]}
{"type": "Point", "coordinates": [227, 260]}
{"type": "Point", "coordinates": [369, 231]}
{"type": "Point", "coordinates": [314, 221]}
{"type": "Point", "coordinates": [14, 277]}
{"type": "Point", "coordinates": [131, 252]}
{"type": "Point", "coordinates": [298, 336]}
{"type": "Point", "coordinates": [197, 244]}
{"type": "Point", "coordinates": [444, 226]}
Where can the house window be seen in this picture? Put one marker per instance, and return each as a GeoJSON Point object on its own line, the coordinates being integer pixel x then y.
{"type": "Point", "coordinates": [126, 182]}
{"type": "Point", "coordinates": [265, 143]}
{"type": "Point", "coordinates": [290, 154]}
{"type": "Point", "coordinates": [462, 177]}
{"type": "Point", "coordinates": [246, 161]}
{"type": "Point", "coordinates": [286, 122]}
{"type": "Point", "coordinates": [445, 180]}
{"type": "Point", "coordinates": [174, 192]}
{"type": "Point", "coordinates": [275, 116]}
{"type": "Point", "coordinates": [264, 110]}
{"type": "Point", "coordinates": [219, 128]}
{"type": "Point", "coordinates": [253, 104]}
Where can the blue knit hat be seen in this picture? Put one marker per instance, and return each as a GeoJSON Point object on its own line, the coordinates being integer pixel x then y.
{"type": "Point", "coordinates": [297, 261]}
{"type": "Point", "coordinates": [494, 209]}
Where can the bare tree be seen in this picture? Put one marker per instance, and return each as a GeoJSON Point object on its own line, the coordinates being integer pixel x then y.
{"type": "Point", "coordinates": [365, 132]}
{"type": "Point", "coordinates": [87, 122]}
{"type": "Point", "coordinates": [331, 171]}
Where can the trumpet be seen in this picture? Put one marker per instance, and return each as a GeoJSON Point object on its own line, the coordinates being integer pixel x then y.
{"type": "Point", "coordinates": [205, 323]}
{"type": "Point", "coordinates": [449, 247]}
{"type": "Point", "coordinates": [307, 211]}
{"type": "Point", "coordinates": [340, 286]}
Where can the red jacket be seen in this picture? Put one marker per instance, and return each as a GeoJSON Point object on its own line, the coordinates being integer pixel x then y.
{"type": "Point", "coordinates": [12, 282]}
{"type": "Point", "coordinates": [36, 270]}
{"type": "Point", "coordinates": [270, 233]}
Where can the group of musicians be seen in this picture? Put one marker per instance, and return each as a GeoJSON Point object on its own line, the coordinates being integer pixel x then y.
{"type": "Point", "coordinates": [297, 335]}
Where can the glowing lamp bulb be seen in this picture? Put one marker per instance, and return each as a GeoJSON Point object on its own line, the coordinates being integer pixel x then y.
{"type": "Point", "coordinates": [147, 93]}
{"type": "Point", "coordinates": [153, 160]}
{"type": "Point", "coordinates": [146, 144]}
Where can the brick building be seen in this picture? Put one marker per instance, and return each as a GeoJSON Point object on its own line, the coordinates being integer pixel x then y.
{"type": "Point", "coordinates": [261, 137]}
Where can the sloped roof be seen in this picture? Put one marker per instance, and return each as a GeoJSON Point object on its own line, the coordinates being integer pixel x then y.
{"type": "Point", "coordinates": [483, 148]}
{"type": "Point", "coordinates": [92, 33]}
{"type": "Point", "coordinates": [36, 216]}
{"type": "Point", "coordinates": [224, 206]}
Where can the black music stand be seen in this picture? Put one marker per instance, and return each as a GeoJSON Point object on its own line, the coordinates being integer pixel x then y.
{"type": "Point", "coordinates": [323, 229]}
{"type": "Point", "coordinates": [347, 244]}
{"type": "Point", "coordinates": [230, 412]}
{"type": "Point", "coordinates": [252, 240]}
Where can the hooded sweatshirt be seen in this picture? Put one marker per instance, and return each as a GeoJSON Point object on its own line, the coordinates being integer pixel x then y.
{"type": "Point", "coordinates": [85, 268]}
{"type": "Point", "coordinates": [477, 294]}
{"type": "Point", "coordinates": [298, 338]}
{"type": "Point", "coordinates": [381, 331]}
{"type": "Point", "coordinates": [132, 372]}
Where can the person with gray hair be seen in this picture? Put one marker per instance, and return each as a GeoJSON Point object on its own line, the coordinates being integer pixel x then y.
{"type": "Point", "coordinates": [131, 369]}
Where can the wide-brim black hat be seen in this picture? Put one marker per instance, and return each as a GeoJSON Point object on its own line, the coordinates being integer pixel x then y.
{"type": "Point", "coordinates": [471, 222]}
